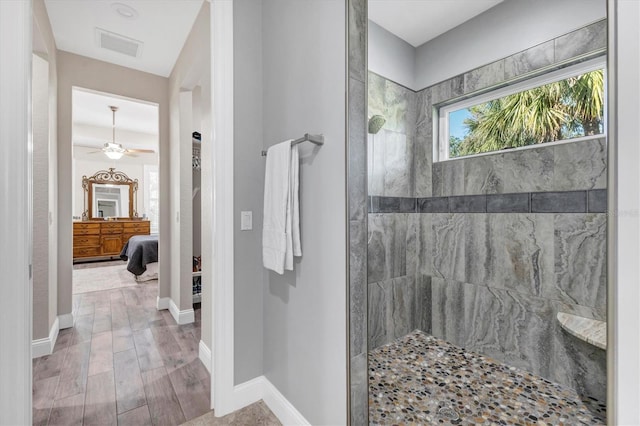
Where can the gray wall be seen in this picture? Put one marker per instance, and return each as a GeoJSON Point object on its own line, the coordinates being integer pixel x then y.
{"type": "Point", "coordinates": [391, 56]}
{"type": "Point", "coordinates": [190, 74]}
{"type": "Point", "coordinates": [45, 290]}
{"type": "Point", "coordinates": [248, 182]}
{"type": "Point", "coordinates": [515, 25]}
{"type": "Point", "coordinates": [75, 70]}
{"type": "Point", "coordinates": [492, 283]}
{"type": "Point", "coordinates": [303, 46]}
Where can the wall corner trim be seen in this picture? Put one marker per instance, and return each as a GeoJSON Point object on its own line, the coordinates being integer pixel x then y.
{"type": "Point", "coordinates": [204, 353]}
{"type": "Point", "coordinates": [182, 317]}
{"type": "Point", "coordinates": [261, 388]}
{"type": "Point", "coordinates": [44, 346]}
{"type": "Point", "coordinates": [65, 321]}
{"type": "Point", "coordinates": [162, 303]}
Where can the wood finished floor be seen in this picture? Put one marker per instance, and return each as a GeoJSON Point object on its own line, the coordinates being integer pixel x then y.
{"type": "Point", "coordinates": [124, 362]}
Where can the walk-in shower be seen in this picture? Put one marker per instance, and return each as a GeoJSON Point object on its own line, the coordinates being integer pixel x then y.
{"type": "Point", "coordinates": [486, 267]}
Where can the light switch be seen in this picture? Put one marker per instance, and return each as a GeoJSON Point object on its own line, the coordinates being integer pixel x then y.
{"type": "Point", "coordinates": [246, 221]}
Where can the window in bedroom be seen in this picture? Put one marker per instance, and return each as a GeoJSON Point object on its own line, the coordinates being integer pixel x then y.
{"type": "Point", "coordinates": [563, 105]}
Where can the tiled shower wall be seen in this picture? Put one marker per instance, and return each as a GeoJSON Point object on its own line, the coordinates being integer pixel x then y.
{"type": "Point", "coordinates": [490, 282]}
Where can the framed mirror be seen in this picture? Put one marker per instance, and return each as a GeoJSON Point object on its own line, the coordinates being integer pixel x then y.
{"type": "Point", "coordinates": [109, 194]}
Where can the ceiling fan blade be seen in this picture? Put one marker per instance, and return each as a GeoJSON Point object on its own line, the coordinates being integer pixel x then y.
{"type": "Point", "coordinates": [129, 154]}
{"type": "Point", "coordinates": [95, 152]}
{"type": "Point", "coordinates": [87, 146]}
{"type": "Point", "coordinates": [142, 151]}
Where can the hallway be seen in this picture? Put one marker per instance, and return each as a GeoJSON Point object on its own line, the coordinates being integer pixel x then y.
{"type": "Point", "coordinates": [123, 362]}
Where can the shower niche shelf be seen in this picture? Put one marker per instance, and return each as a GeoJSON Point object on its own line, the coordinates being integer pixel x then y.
{"type": "Point", "coordinates": [591, 331]}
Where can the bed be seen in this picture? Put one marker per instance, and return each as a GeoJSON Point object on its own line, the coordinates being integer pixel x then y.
{"type": "Point", "coordinates": [141, 254]}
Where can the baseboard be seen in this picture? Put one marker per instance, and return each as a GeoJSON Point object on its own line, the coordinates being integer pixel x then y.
{"type": "Point", "coordinates": [162, 303]}
{"type": "Point", "coordinates": [259, 388]}
{"type": "Point", "coordinates": [248, 392]}
{"type": "Point", "coordinates": [42, 347]}
{"type": "Point", "coordinates": [182, 317]}
{"type": "Point", "coordinates": [65, 321]}
{"type": "Point", "coordinates": [204, 353]}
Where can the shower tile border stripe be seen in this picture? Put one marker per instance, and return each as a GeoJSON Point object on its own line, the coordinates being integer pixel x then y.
{"type": "Point", "coordinates": [586, 201]}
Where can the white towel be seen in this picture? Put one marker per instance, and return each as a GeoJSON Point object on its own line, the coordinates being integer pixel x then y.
{"type": "Point", "coordinates": [276, 197]}
{"type": "Point", "coordinates": [293, 213]}
{"type": "Point", "coordinates": [281, 229]}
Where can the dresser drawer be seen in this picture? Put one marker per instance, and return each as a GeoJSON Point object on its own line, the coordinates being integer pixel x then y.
{"type": "Point", "coordinates": [110, 226]}
{"type": "Point", "coordinates": [86, 231]}
{"type": "Point", "coordinates": [86, 225]}
{"type": "Point", "coordinates": [86, 241]}
{"type": "Point", "coordinates": [136, 226]}
{"type": "Point", "coordinates": [86, 251]}
{"type": "Point", "coordinates": [112, 231]}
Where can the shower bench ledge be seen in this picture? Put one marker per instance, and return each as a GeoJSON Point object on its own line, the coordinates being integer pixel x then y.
{"type": "Point", "coordinates": [587, 329]}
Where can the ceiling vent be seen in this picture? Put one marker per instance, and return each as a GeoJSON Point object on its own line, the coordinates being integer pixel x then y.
{"type": "Point", "coordinates": [118, 43]}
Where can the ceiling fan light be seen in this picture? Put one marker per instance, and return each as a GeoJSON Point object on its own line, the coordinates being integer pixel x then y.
{"type": "Point", "coordinates": [114, 155]}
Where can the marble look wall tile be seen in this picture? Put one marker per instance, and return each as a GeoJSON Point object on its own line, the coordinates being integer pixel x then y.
{"type": "Point", "coordinates": [468, 204]}
{"type": "Point", "coordinates": [402, 318]}
{"type": "Point", "coordinates": [397, 149]}
{"type": "Point", "coordinates": [526, 171]}
{"type": "Point", "coordinates": [448, 246]}
{"type": "Point", "coordinates": [357, 150]}
{"type": "Point", "coordinates": [580, 165]}
{"type": "Point", "coordinates": [424, 245]}
{"type": "Point", "coordinates": [521, 253]}
{"type": "Point", "coordinates": [597, 201]}
{"type": "Point", "coordinates": [483, 77]}
{"type": "Point", "coordinates": [588, 39]}
{"type": "Point", "coordinates": [482, 175]}
{"type": "Point", "coordinates": [423, 303]}
{"type": "Point", "coordinates": [387, 247]}
{"type": "Point", "coordinates": [391, 150]}
{"type": "Point", "coordinates": [357, 39]}
{"type": "Point", "coordinates": [510, 327]}
{"type": "Point", "coordinates": [580, 260]}
{"type": "Point", "coordinates": [358, 287]}
{"type": "Point", "coordinates": [448, 89]}
{"type": "Point", "coordinates": [559, 202]}
{"type": "Point", "coordinates": [413, 226]}
{"type": "Point", "coordinates": [478, 248]}
{"type": "Point", "coordinates": [423, 147]}
{"type": "Point", "coordinates": [378, 305]}
{"type": "Point", "coordinates": [392, 310]}
{"type": "Point", "coordinates": [447, 307]}
{"type": "Point", "coordinates": [375, 163]}
{"type": "Point", "coordinates": [449, 178]}
{"type": "Point", "coordinates": [508, 203]}
{"type": "Point", "coordinates": [433, 205]}
{"type": "Point", "coordinates": [531, 59]}
{"type": "Point", "coordinates": [359, 390]}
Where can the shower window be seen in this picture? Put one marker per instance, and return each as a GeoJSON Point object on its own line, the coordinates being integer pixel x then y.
{"type": "Point", "coordinates": [563, 105]}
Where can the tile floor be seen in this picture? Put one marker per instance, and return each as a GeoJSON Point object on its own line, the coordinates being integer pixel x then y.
{"type": "Point", "coordinates": [257, 414]}
{"type": "Point", "coordinates": [419, 379]}
{"type": "Point", "coordinates": [124, 362]}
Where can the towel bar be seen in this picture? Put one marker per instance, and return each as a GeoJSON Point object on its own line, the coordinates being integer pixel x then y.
{"type": "Point", "coordinates": [315, 139]}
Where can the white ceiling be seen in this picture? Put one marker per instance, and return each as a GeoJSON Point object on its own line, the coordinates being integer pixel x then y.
{"type": "Point", "coordinates": [418, 21]}
{"type": "Point", "coordinates": [162, 25]}
{"type": "Point", "coordinates": [137, 124]}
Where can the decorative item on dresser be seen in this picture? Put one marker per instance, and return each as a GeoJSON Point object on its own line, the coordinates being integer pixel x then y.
{"type": "Point", "coordinates": [105, 239]}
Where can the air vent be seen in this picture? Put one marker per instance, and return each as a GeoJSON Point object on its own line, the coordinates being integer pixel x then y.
{"type": "Point", "coordinates": [118, 43]}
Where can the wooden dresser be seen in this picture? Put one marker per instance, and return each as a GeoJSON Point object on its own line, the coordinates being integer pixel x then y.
{"type": "Point", "coordinates": [104, 239]}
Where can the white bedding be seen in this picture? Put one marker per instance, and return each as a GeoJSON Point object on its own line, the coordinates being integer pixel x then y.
{"type": "Point", "coordinates": [150, 274]}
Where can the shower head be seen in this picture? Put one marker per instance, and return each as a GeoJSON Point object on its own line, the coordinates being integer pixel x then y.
{"type": "Point", "coordinates": [375, 123]}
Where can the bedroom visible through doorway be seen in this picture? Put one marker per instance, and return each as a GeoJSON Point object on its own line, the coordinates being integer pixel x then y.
{"type": "Point", "coordinates": [115, 191]}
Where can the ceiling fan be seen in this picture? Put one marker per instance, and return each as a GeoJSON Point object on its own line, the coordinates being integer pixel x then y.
{"type": "Point", "coordinates": [114, 150]}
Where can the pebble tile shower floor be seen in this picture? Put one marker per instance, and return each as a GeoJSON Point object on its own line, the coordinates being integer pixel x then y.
{"type": "Point", "coordinates": [419, 379]}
